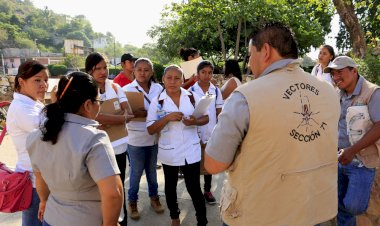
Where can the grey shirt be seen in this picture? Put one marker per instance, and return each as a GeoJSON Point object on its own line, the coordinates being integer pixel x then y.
{"type": "Point", "coordinates": [345, 102]}
{"type": "Point", "coordinates": [82, 156]}
{"type": "Point", "coordinates": [231, 129]}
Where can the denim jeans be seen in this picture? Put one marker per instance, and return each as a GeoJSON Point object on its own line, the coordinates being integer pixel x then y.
{"type": "Point", "coordinates": [30, 216]}
{"type": "Point", "coordinates": [192, 181]}
{"type": "Point", "coordinates": [142, 158]}
{"type": "Point", "coordinates": [354, 189]}
{"type": "Point", "coordinates": [46, 223]}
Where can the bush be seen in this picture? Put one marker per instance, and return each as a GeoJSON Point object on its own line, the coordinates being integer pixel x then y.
{"type": "Point", "coordinates": [369, 67]}
{"type": "Point", "coordinates": [158, 71]}
{"type": "Point", "coordinates": [57, 69]}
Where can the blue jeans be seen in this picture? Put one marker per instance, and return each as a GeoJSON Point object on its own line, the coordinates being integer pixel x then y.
{"type": "Point", "coordinates": [30, 216]}
{"type": "Point", "coordinates": [354, 189]}
{"type": "Point", "coordinates": [45, 224]}
{"type": "Point", "coordinates": [142, 158]}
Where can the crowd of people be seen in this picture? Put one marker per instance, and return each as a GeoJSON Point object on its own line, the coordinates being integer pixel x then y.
{"type": "Point", "coordinates": [295, 150]}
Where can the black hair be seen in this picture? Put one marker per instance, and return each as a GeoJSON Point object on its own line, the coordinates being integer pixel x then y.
{"type": "Point", "coordinates": [73, 91]}
{"type": "Point", "coordinates": [92, 60]}
{"type": "Point", "coordinates": [330, 49]}
{"type": "Point", "coordinates": [203, 64]}
{"type": "Point", "coordinates": [278, 36]}
{"type": "Point", "coordinates": [27, 70]}
{"type": "Point", "coordinates": [186, 52]}
{"type": "Point", "coordinates": [232, 67]}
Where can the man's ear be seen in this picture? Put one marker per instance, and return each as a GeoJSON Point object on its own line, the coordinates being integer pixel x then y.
{"type": "Point", "coordinates": [267, 52]}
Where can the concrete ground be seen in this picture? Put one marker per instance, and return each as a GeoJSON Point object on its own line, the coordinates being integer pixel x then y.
{"type": "Point", "coordinates": [148, 216]}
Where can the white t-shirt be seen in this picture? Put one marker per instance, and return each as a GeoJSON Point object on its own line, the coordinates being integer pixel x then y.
{"type": "Point", "coordinates": [177, 143]}
{"type": "Point", "coordinates": [238, 82]}
{"type": "Point", "coordinates": [137, 133]}
{"type": "Point", "coordinates": [120, 145]}
{"type": "Point", "coordinates": [22, 118]}
{"type": "Point", "coordinates": [206, 130]}
{"type": "Point", "coordinates": [317, 71]}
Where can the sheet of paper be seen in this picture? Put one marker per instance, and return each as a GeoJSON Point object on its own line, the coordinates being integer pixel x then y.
{"type": "Point", "coordinates": [114, 132]}
{"type": "Point", "coordinates": [202, 107]}
{"type": "Point", "coordinates": [136, 101]}
{"type": "Point", "coordinates": [51, 83]}
{"type": "Point", "coordinates": [190, 67]}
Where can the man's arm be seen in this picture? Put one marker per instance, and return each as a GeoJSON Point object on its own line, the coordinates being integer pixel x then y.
{"type": "Point", "coordinates": [228, 134]}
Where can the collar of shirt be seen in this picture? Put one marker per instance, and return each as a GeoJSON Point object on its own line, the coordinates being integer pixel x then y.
{"type": "Point", "coordinates": [74, 118]}
{"type": "Point", "coordinates": [279, 64]}
{"type": "Point", "coordinates": [26, 99]}
{"type": "Point", "coordinates": [164, 95]}
{"type": "Point", "coordinates": [135, 84]}
{"type": "Point", "coordinates": [357, 90]}
{"type": "Point", "coordinates": [198, 89]}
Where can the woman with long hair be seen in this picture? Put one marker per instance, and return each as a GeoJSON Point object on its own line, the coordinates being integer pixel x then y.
{"type": "Point", "coordinates": [76, 172]}
{"type": "Point", "coordinates": [233, 75]}
{"type": "Point", "coordinates": [325, 56]}
{"type": "Point", "coordinates": [22, 118]}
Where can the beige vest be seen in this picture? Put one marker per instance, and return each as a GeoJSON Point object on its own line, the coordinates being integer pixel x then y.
{"type": "Point", "coordinates": [285, 172]}
{"type": "Point", "coordinates": [370, 156]}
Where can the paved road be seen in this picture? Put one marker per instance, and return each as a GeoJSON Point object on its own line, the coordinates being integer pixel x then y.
{"type": "Point", "coordinates": [148, 216]}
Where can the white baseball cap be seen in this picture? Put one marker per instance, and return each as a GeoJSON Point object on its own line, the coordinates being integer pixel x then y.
{"type": "Point", "coordinates": [341, 62]}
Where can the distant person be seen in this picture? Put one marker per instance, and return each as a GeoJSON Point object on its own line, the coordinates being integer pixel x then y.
{"type": "Point", "coordinates": [170, 116]}
{"type": "Point", "coordinates": [142, 147]}
{"type": "Point", "coordinates": [22, 118]}
{"type": "Point", "coordinates": [233, 75]}
{"type": "Point", "coordinates": [76, 172]}
{"type": "Point", "coordinates": [126, 75]}
{"type": "Point", "coordinates": [202, 88]}
{"type": "Point", "coordinates": [359, 157]}
{"type": "Point", "coordinates": [325, 57]}
{"type": "Point", "coordinates": [96, 66]}
{"type": "Point", "coordinates": [188, 54]}
{"type": "Point", "coordinates": [276, 135]}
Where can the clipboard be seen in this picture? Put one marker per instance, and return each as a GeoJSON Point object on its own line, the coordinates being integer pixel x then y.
{"type": "Point", "coordinates": [190, 67]}
{"type": "Point", "coordinates": [136, 101]}
{"type": "Point", "coordinates": [51, 83]}
{"type": "Point", "coordinates": [113, 107]}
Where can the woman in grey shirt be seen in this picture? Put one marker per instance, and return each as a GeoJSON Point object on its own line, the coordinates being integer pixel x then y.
{"type": "Point", "coordinates": [76, 172]}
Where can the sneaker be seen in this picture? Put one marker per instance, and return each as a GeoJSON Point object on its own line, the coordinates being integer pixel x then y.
{"type": "Point", "coordinates": [209, 198]}
{"type": "Point", "coordinates": [176, 222]}
{"type": "Point", "coordinates": [133, 211]}
{"type": "Point", "coordinates": [156, 205]}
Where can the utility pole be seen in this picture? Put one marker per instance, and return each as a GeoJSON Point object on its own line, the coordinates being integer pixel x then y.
{"type": "Point", "coordinates": [114, 52]}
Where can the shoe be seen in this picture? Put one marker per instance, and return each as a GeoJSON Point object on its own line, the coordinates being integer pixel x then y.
{"type": "Point", "coordinates": [209, 198]}
{"type": "Point", "coordinates": [156, 205]}
{"type": "Point", "coordinates": [133, 211]}
{"type": "Point", "coordinates": [180, 175]}
{"type": "Point", "coordinates": [175, 222]}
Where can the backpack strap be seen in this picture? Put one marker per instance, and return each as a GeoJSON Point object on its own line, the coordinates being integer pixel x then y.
{"type": "Point", "coordinates": [146, 98]}
{"type": "Point", "coordinates": [192, 100]}
{"type": "Point", "coordinates": [114, 87]}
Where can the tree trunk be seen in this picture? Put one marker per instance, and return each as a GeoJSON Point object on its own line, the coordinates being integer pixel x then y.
{"type": "Point", "coordinates": [237, 40]}
{"type": "Point", "coordinates": [346, 11]}
{"type": "Point", "coordinates": [222, 42]}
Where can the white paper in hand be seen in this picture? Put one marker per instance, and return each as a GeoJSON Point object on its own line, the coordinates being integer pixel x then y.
{"type": "Point", "coordinates": [190, 67]}
{"type": "Point", "coordinates": [202, 107]}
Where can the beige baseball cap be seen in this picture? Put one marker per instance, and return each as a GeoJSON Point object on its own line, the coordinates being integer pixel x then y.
{"type": "Point", "coordinates": [341, 62]}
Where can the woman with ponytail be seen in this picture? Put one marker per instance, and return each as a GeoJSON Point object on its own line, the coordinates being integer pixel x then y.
{"type": "Point", "coordinates": [23, 117]}
{"type": "Point", "coordinates": [74, 164]}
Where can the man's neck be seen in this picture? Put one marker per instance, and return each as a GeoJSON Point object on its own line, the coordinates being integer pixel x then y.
{"type": "Point", "coordinates": [128, 75]}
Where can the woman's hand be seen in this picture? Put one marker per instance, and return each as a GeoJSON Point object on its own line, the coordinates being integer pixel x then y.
{"type": "Point", "coordinates": [189, 121]}
{"type": "Point", "coordinates": [174, 116]}
{"type": "Point", "coordinates": [140, 113]}
{"type": "Point", "coordinates": [41, 211]}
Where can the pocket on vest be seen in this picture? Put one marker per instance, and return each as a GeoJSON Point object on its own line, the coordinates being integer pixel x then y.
{"type": "Point", "coordinates": [227, 201]}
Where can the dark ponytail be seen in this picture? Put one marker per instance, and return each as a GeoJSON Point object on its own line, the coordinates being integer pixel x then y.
{"type": "Point", "coordinates": [72, 92]}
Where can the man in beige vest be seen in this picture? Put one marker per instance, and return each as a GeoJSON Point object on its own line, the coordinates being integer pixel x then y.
{"type": "Point", "coordinates": [359, 157]}
{"type": "Point", "coordinates": [276, 137]}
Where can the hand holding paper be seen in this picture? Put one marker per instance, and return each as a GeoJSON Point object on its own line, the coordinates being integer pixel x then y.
{"type": "Point", "coordinates": [202, 107]}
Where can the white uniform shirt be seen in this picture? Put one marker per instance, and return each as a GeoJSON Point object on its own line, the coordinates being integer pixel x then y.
{"type": "Point", "coordinates": [177, 143]}
{"type": "Point", "coordinates": [317, 71]}
{"type": "Point", "coordinates": [137, 133]}
{"type": "Point", "coordinates": [206, 130]}
{"type": "Point", "coordinates": [120, 145]}
{"type": "Point", "coordinates": [22, 118]}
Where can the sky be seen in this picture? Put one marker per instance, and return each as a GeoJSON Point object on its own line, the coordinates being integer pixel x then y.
{"type": "Point", "coordinates": [129, 20]}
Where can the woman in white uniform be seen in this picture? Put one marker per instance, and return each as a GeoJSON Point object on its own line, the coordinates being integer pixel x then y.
{"type": "Point", "coordinates": [233, 75]}
{"type": "Point", "coordinates": [325, 56]}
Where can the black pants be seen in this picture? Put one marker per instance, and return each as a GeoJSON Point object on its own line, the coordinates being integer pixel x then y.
{"type": "Point", "coordinates": [121, 160]}
{"type": "Point", "coordinates": [207, 185]}
{"type": "Point", "coordinates": [192, 181]}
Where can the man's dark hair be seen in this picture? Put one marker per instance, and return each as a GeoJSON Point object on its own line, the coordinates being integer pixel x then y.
{"type": "Point", "coordinates": [277, 35]}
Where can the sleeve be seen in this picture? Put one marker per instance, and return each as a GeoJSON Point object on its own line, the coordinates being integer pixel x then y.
{"type": "Point", "coordinates": [101, 161]}
{"type": "Point", "coordinates": [28, 119]}
{"type": "Point", "coordinates": [219, 99]}
{"type": "Point", "coordinates": [152, 112]}
{"type": "Point", "coordinates": [230, 130]}
{"type": "Point", "coordinates": [120, 93]}
{"type": "Point", "coordinates": [374, 106]}
{"type": "Point", "coordinates": [314, 71]}
{"type": "Point", "coordinates": [32, 148]}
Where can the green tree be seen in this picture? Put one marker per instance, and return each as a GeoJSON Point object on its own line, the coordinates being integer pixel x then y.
{"type": "Point", "coordinates": [74, 61]}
